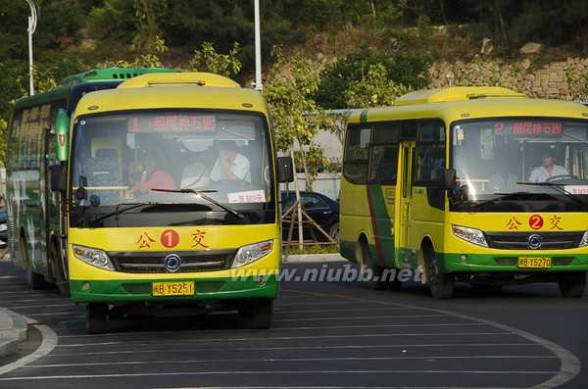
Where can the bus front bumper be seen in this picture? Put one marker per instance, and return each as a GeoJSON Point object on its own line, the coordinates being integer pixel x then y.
{"type": "Point", "coordinates": [477, 263]}
{"type": "Point", "coordinates": [206, 289]}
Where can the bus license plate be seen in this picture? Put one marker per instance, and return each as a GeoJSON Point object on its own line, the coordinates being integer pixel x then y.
{"type": "Point", "coordinates": [173, 289]}
{"type": "Point", "coordinates": [534, 262]}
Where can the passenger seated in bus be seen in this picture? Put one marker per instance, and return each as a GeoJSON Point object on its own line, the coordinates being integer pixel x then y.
{"type": "Point", "coordinates": [152, 174]}
{"type": "Point", "coordinates": [547, 170]}
{"type": "Point", "coordinates": [230, 164]}
{"type": "Point", "coordinates": [502, 179]}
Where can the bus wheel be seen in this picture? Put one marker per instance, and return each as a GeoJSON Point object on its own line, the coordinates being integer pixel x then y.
{"type": "Point", "coordinates": [572, 285]}
{"type": "Point", "coordinates": [34, 280]}
{"type": "Point", "coordinates": [370, 274]}
{"type": "Point", "coordinates": [257, 314]}
{"type": "Point", "coordinates": [440, 284]}
{"type": "Point", "coordinates": [96, 318]}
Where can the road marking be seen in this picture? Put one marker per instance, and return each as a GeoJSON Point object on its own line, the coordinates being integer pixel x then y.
{"type": "Point", "coordinates": [270, 338]}
{"type": "Point", "coordinates": [48, 343]}
{"type": "Point", "coordinates": [286, 348]}
{"type": "Point", "coordinates": [228, 360]}
{"type": "Point", "coordinates": [356, 318]}
{"type": "Point", "coordinates": [42, 306]}
{"type": "Point", "coordinates": [52, 313]}
{"type": "Point", "coordinates": [570, 364]}
{"type": "Point", "coordinates": [278, 372]}
{"type": "Point", "coordinates": [294, 311]}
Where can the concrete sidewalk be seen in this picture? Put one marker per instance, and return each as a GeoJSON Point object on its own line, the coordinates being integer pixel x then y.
{"type": "Point", "coordinates": [13, 329]}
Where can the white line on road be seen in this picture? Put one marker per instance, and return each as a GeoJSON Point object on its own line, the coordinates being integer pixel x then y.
{"type": "Point", "coordinates": [48, 343]}
{"type": "Point", "coordinates": [271, 338]}
{"type": "Point", "coordinates": [356, 318]}
{"type": "Point", "coordinates": [41, 306]}
{"type": "Point", "coordinates": [278, 372]}
{"type": "Point", "coordinates": [230, 360]}
{"type": "Point", "coordinates": [297, 348]}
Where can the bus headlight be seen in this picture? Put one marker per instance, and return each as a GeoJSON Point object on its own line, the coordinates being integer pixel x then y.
{"type": "Point", "coordinates": [584, 241]}
{"type": "Point", "coordinates": [469, 235]}
{"type": "Point", "coordinates": [252, 253]}
{"type": "Point", "coordinates": [3, 227]}
{"type": "Point", "coordinates": [93, 257]}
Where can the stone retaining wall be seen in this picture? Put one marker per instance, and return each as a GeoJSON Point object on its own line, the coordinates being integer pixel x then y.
{"type": "Point", "coordinates": [564, 79]}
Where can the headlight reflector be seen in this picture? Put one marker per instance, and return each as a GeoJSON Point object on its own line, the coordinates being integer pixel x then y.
{"type": "Point", "coordinates": [252, 253]}
{"type": "Point", "coordinates": [470, 235]}
{"type": "Point", "coordinates": [584, 240]}
{"type": "Point", "coordinates": [94, 257]}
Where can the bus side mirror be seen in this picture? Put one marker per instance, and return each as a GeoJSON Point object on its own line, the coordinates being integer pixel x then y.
{"type": "Point", "coordinates": [449, 179]}
{"type": "Point", "coordinates": [61, 135]}
{"type": "Point", "coordinates": [285, 169]}
{"type": "Point", "coordinates": [58, 178]}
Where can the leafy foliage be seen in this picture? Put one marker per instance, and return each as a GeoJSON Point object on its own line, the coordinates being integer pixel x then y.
{"type": "Point", "coordinates": [407, 70]}
{"type": "Point", "coordinates": [374, 89]}
{"type": "Point", "coordinates": [207, 59]}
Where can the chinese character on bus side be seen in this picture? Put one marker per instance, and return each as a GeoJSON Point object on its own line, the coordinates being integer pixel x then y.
{"type": "Point", "coordinates": [144, 241]}
{"type": "Point", "coordinates": [513, 223]}
{"type": "Point", "coordinates": [555, 220]}
{"type": "Point", "coordinates": [197, 238]}
{"type": "Point", "coordinates": [184, 123]}
{"type": "Point", "coordinates": [158, 123]}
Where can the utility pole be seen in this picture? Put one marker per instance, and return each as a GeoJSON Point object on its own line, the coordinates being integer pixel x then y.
{"type": "Point", "coordinates": [31, 29]}
{"type": "Point", "coordinates": [258, 82]}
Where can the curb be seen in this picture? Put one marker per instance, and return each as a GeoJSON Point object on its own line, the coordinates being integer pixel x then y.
{"type": "Point", "coordinates": [13, 330]}
{"type": "Point", "coordinates": [313, 258]}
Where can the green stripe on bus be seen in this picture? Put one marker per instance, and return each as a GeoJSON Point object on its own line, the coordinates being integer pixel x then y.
{"type": "Point", "coordinates": [382, 226]}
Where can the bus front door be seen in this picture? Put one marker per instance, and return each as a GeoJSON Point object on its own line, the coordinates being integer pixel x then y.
{"type": "Point", "coordinates": [403, 207]}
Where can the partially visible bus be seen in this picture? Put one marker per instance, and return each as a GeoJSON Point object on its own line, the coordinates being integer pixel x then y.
{"type": "Point", "coordinates": [146, 221]}
{"type": "Point", "coordinates": [472, 184]}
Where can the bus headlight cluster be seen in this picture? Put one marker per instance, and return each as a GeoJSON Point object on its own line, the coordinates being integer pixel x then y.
{"type": "Point", "coordinates": [584, 240]}
{"type": "Point", "coordinates": [252, 253]}
{"type": "Point", "coordinates": [93, 257]}
{"type": "Point", "coordinates": [3, 227]}
{"type": "Point", "coordinates": [470, 235]}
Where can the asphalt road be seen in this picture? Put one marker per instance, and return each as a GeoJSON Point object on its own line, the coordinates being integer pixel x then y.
{"type": "Point", "coordinates": [323, 335]}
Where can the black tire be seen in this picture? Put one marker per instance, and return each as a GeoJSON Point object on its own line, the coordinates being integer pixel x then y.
{"type": "Point", "coordinates": [572, 285]}
{"type": "Point", "coordinates": [371, 274]}
{"type": "Point", "coordinates": [96, 318]}
{"type": "Point", "coordinates": [441, 284]}
{"type": "Point", "coordinates": [34, 280]}
{"type": "Point", "coordinates": [334, 231]}
{"type": "Point", "coordinates": [257, 314]}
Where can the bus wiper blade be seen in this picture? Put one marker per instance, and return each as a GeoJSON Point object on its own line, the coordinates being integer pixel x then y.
{"type": "Point", "coordinates": [118, 211]}
{"type": "Point", "coordinates": [560, 189]}
{"type": "Point", "coordinates": [202, 194]}
{"type": "Point", "coordinates": [501, 197]}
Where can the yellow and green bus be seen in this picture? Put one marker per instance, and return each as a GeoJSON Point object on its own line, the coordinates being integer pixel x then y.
{"type": "Point", "coordinates": [165, 185]}
{"type": "Point", "coordinates": [468, 184]}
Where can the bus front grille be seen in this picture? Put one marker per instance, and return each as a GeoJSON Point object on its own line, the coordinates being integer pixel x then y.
{"type": "Point", "coordinates": [520, 240]}
{"type": "Point", "coordinates": [154, 262]}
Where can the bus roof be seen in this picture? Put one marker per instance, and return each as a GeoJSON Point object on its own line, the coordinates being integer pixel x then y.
{"type": "Point", "coordinates": [179, 91]}
{"type": "Point", "coordinates": [460, 103]}
{"type": "Point", "coordinates": [109, 74]}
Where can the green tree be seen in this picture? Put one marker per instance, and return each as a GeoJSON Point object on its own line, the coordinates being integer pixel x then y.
{"type": "Point", "coordinates": [336, 79]}
{"type": "Point", "coordinates": [295, 114]}
{"type": "Point", "coordinates": [374, 89]}
{"type": "Point", "coordinates": [207, 59]}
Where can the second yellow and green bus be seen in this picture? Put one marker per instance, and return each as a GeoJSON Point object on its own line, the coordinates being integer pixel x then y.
{"type": "Point", "coordinates": [474, 184]}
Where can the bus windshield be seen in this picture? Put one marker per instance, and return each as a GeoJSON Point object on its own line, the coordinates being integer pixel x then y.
{"type": "Point", "coordinates": [524, 156]}
{"type": "Point", "coordinates": [118, 159]}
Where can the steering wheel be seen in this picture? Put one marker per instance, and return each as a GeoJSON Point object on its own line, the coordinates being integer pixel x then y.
{"type": "Point", "coordinates": [559, 177]}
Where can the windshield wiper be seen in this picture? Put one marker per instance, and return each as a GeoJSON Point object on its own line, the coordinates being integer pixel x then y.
{"type": "Point", "coordinates": [202, 194]}
{"type": "Point", "coordinates": [118, 211]}
{"type": "Point", "coordinates": [559, 188]}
